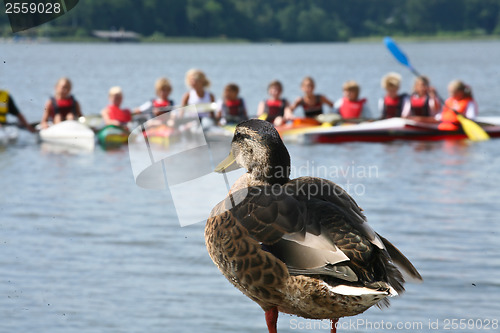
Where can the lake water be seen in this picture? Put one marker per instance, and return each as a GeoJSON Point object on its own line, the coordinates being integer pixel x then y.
{"type": "Point", "coordinates": [83, 249]}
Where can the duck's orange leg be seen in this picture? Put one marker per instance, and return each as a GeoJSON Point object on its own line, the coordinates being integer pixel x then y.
{"type": "Point", "coordinates": [334, 327]}
{"type": "Point", "coordinates": [272, 320]}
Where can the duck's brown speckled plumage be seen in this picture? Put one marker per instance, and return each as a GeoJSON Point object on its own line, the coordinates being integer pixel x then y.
{"type": "Point", "coordinates": [288, 244]}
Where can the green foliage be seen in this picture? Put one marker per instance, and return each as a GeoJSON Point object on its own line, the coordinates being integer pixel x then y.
{"type": "Point", "coordinates": [287, 20]}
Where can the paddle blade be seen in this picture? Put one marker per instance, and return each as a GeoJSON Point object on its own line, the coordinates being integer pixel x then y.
{"type": "Point", "coordinates": [263, 116]}
{"type": "Point", "coordinates": [396, 51]}
{"type": "Point", "coordinates": [472, 129]}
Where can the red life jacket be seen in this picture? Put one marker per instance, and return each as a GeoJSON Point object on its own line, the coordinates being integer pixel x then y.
{"type": "Point", "coordinates": [312, 110]}
{"type": "Point", "coordinates": [64, 106]}
{"type": "Point", "coordinates": [159, 103]}
{"type": "Point", "coordinates": [393, 107]}
{"type": "Point", "coordinates": [115, 113]}
{"type": "Point", "coordinates": [351, 109]}
{"type": "Point", "coordinates": [274, 109]}
{"type": "Point", "coordinates": [233, 108]}
{"type": "Point", "coordinates": [420, 106]}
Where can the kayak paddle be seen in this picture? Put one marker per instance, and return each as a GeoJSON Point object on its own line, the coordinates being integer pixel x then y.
{"type": "Point", "coordinates": [201, 107]}
{"type": "Point", "coordinates": [399, 54]}
{"type": "Point", "coordinates": [473, 131]}
{"type": "Point", "coordinates": [263, 116]}
{"type": "Point", "coordinates": [23, 127]}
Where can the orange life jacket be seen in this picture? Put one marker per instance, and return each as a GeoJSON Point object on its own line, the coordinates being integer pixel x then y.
{"type": "Point", "coordinates": [351, 109]}
{"type": "Point", "coordinates": [449, 120]}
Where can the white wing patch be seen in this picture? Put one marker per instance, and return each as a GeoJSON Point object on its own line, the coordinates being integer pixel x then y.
{"type": "Point", "coordinates": [359, 291]}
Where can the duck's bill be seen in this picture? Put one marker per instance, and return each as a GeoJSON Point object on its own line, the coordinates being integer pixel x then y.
{"type": "Point", "coordinates": [228, 164]}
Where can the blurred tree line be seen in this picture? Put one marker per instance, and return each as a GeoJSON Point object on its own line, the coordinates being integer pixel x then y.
{"type": "Point", "coordinates": [287, 20]}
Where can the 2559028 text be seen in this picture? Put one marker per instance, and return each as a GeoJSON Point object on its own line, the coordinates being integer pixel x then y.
{"type": "Point", "coordinates": [32, 8]}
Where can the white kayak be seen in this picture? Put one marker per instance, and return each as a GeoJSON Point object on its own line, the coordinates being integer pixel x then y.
{"type": "Point", "coordinates": [69, 133]}
{"type": "Point", "coordinates": [494, 120]}
{"type": "Point", "coordinates": [8, 134]}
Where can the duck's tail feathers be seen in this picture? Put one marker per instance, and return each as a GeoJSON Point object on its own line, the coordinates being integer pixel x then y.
{"type": "Point", "coordinates": [409, 272]}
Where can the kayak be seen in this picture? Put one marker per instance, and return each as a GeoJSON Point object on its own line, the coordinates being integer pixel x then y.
{"type": "Point", "coordinates": [94, 121]}
{"type": "Point", "coordinates": [69, 133]}
{"type": "Point", "coordinates": [299, 126]}
{"type": "Point", "coordinates": [384, 131]}
{"type": "Point", "coordinates": [219, 133]}
{"type": "Point", "coordinates": [162, 132]}
{"type": "Point", "coordinates": [112, 136]}
{"type": "Point", "coordinates": [8, 134]}
{"type": "Point", "coordinates": [161, 135]}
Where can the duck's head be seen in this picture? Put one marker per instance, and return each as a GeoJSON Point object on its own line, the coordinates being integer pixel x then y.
{"type": "Point", "coordinates": [257, 147]}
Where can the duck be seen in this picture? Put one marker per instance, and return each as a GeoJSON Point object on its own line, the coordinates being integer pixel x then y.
{"type": "Point", "coordinates": [297, 246]}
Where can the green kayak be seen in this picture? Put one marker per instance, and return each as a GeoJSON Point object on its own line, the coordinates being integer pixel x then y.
{"type": "Point", "coordinates": [112, 136]}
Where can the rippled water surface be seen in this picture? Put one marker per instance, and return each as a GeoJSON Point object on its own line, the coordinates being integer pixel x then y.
{"type": "Point", "coordinates": [83, 249]}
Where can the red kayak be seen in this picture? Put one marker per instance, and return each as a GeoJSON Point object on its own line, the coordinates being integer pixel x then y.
{"type": "Point", "coordinates": [384, 131]}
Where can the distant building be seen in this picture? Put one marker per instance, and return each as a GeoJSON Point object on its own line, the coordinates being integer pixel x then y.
{"type": "Point", "coordinates": [117, 35]}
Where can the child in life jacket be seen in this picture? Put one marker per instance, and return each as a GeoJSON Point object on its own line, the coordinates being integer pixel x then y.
{"type": "Point", "coordinates": [8, 106]}
{"type": "Point", "coordinates": [423, 100]}
{"type": "Point", "coordinates": [461, 101]}
{"type": "Point", "coordinates": [350, 106]}
{"type": "Point", "coordinates": [161, 104]}
{"type": "Point", "coordinates": [311, 103]}
{"type": "Point", "coordinates": [62, 106]}
{"type": "Point", "coordinates": [198, 83]}
{"type": "Point", "coordinates": [232, 110]}
{"type": "Point", "coordinates": [275, 109]}
{"type": "Point", "coordinates": [113, 114]}
{"type": "Point", "coordinates": [393, 104]}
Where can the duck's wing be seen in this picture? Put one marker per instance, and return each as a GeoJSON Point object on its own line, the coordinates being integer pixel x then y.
{"type": "Point", "coordinates": [315, 228]}
{"type": "Point", "coordinates": [307, 188]}
{"type": "Point", "coordinates": [351, 215]}
{"type": "Point", "coordinates": [278, 220]}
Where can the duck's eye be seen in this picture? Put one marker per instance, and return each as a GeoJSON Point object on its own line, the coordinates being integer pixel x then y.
{"type": "Point", "coordinates": [239, 136]}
